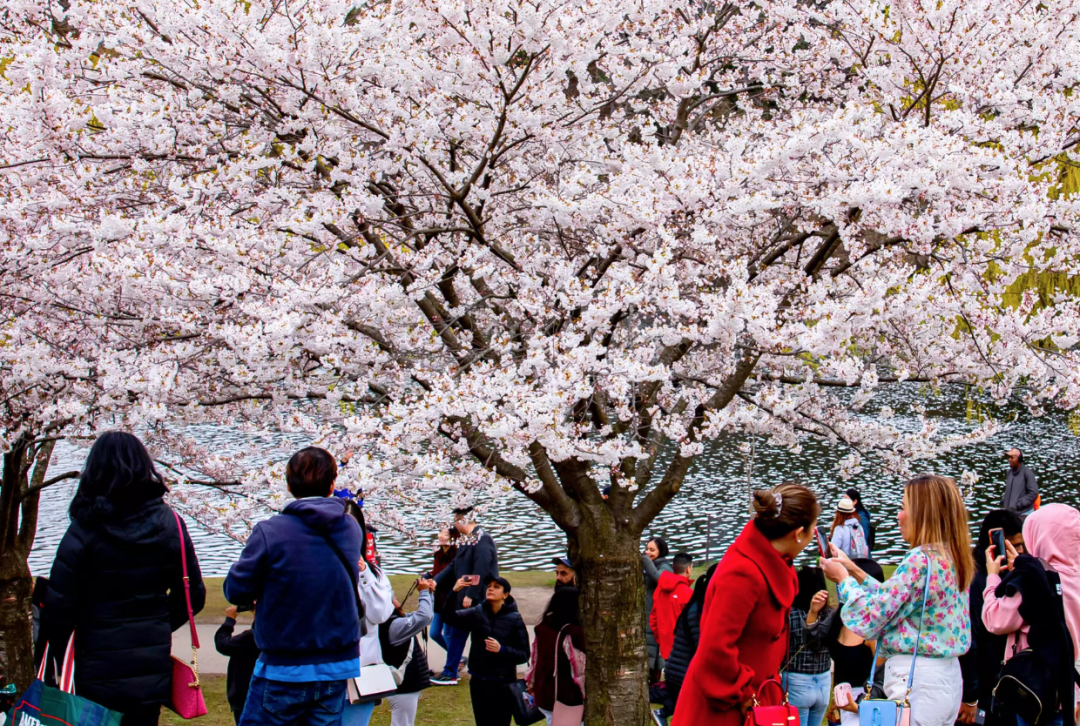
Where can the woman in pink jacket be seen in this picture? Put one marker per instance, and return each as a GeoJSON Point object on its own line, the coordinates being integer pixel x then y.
{"type": "Point", "coordinates": [1018, 600]}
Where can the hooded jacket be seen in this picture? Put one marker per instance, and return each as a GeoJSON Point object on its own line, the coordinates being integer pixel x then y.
{"type": "Point", "coordinates": [505, 626]}
{"type": "Point", "coordinates": [672, 594]}
{"type": "Point", "coordinates": [307, 604]}
{"type": "Point", "coordinates": [477, 555]}
{"type": "Point", "coordinates": [118, 582]}
{"type": "Point", "coordinates": [743, 632]}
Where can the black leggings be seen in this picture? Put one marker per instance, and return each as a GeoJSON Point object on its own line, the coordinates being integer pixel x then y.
{"type": "Point", "coordinates": [491, 704]}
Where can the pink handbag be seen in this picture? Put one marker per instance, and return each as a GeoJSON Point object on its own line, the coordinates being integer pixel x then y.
{"type": "Point", "coordinates": [187, 697]}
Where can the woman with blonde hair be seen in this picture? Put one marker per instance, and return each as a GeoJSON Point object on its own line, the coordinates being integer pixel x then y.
{"type": "Point", "coordinates": [920, 616]}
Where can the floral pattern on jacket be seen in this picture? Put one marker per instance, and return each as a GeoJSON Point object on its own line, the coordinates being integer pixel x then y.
{"type": "Point", "coordinates": [889, 612]}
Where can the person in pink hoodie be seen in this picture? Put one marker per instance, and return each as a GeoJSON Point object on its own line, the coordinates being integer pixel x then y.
{"type": "Point", "coordinates": [1051, 536]}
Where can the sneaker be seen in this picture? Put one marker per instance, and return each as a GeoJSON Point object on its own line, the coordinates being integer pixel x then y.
{"type": "Point", "coordinates": [444, 680]}
{"type": "Point", "coordinates": [658, 717]}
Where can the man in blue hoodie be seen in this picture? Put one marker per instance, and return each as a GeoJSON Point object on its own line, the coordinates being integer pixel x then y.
{"type": "Point", "coordinates": [302, 568]}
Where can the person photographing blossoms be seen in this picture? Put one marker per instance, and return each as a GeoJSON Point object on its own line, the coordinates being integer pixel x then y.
{"type": "Point", "coordinates": [744, 621]}
{"type": "Point", "coordinates": [933, 521]}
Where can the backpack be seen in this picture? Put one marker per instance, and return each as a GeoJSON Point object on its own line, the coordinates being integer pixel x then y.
{"type": "Point", "coordinates": [859, 548]}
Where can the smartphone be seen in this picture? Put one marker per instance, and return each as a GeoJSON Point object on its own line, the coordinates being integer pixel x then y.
{"type": "Point", "coordinates": [472, 580]}
{"type": "Point", "coordinates": [997, 538]}
{"type": "Point", "coordinates": [842, 694]}
{"type": "Point", "coordinates": [822, 542]}
{"type": "Point", "coordinates": [244, 608]}
{"type": "Point", "coordinates": [980, 717]}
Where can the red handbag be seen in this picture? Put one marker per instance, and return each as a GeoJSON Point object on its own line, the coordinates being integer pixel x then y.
{"type": "Point", "coordinates": [783, 715]}
{"type": "Point", "coordinates": [187, 698]}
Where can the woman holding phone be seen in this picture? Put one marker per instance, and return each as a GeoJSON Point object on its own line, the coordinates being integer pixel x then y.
{"type": "Point", "coordinates": [933, 521]}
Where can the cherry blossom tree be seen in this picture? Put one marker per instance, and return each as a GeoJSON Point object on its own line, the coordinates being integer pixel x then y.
{"type": "Point", "coordinates": [543, 248]}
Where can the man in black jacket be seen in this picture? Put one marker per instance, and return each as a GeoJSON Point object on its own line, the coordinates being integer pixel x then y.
{"type": "Point", "coordinates": [242, 652]}
{"type": "Point", "coordinates": [478, 558]}
{"type": "Point", "coordinates": [500, 643]}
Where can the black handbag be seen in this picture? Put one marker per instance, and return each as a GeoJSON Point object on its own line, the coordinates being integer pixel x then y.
{"type": "Point", "coordinates": [524, 707]}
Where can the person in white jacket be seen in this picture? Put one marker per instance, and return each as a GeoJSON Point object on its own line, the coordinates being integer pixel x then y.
{"type": "Point", "coordinates": [377, 595]}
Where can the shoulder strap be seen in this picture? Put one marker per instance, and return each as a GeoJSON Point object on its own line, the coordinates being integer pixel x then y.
{"type": "Point", "coordinates": [918, 639]}
{"type": "Point", "coordinates": [187, 581]}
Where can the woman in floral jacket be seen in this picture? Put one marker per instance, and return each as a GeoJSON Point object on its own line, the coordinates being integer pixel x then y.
{"type": "Point", "coordinates": [933, 520]}
{"type": "Point", "coordinates": [556, 676]}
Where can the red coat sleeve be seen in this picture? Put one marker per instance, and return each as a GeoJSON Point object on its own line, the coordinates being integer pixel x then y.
{"type": "Point", "coordinates": [725, 681]}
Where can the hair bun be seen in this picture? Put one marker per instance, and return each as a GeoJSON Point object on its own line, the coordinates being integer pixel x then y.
{"type": "Point", "coordinates": [765, 504]}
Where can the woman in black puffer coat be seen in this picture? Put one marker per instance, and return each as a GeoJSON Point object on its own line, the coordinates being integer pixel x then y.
{"type": "Point", "coordinates": [500, 643]}
{"type": "Point", "coordinates": [687, 637]}
{"type": "Point", "coordinates": [118, 582]}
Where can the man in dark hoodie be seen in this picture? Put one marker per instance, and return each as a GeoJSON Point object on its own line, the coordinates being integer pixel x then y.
{"type": "Point", "coordinates": [302, 568]}
{"type": "Point", "coordinates": [476, 556]}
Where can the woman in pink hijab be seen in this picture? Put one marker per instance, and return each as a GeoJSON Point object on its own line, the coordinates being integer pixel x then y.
{"type": "Point", "coordinates": [1052, 536]}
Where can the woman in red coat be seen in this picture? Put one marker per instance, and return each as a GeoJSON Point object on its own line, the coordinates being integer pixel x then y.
{"type": "Point", "coordinates": [744, 623]}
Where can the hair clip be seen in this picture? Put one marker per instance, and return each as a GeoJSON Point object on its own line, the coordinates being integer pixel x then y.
{"type": "Point", "coordinates": [779, 502]}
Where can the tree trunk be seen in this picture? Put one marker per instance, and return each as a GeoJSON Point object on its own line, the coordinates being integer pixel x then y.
{"type": "Point", "coordinates": [16, 636]}
{"type": "Point", "coordinates": [613, 615]}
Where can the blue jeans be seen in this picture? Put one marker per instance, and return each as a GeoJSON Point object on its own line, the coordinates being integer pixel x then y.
{"type": "Point", "coordinates": [275, 703]}
{"type": "Point", "coordinates": [437, 627]}
{"type": "Point", "coordinates": [810, 694]}
{"type": "Point", "coordinates": [455, 646]}
{"type": "Point", "coordinates": [357, 714]}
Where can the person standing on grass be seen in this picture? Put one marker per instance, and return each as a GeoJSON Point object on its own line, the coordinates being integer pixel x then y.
{"type": "Point", "coordinates": [1021, 489]}
{"type": "Point", "coordinates": [556, 676]}
{"type": "Point", "coordinates": [300, 566]}
{"type": "Point", "coordinates": [808, 669]}
{"type": "Point", "coordinates": [683, 648]}
{"type": "Point", "coordinates": [402, 651]}
{"type": "Point", "coordinates": [118, 583]}
{"type": "Point", "coordinates": [654, 563]}
{"type": "Point", "coordinates": [744, 623]}
{"type": "Point", "coordinates": [981, 665]}
{"type": "Point", "coordinates": [242, 652]}
{"type": "Point", "coordinates": [673, 592]}
{"type": "Point", "coordinates": [500, 643]}
{"type": "Point", "coordinates": [445, 551]}
{"type": "Point", "coordinates": [933, 521]}
{"type": "Point", "coordinates": [476, 557]}
{"type": "Point", "coordinates": [1035, 601]}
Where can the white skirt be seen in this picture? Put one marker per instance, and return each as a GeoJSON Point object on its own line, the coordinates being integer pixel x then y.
{"type": "Point", "coordinates": [939, 688]}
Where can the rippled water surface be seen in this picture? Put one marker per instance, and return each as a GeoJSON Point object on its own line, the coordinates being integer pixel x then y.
{"type": "Point", "coordinates": [716, 489]}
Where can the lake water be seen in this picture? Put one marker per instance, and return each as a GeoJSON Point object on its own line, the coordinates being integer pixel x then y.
{"type": "Point", "coordinates": [715, 490]}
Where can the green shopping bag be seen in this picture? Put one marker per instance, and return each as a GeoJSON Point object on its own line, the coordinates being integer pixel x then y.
{"type": "Point", "coordinates": [43, 705]}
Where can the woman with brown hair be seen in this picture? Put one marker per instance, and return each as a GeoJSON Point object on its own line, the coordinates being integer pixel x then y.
{"type": "Point", "coordinates": [744, 620]}
{"type": "Point", "coordinates": [920, 637]}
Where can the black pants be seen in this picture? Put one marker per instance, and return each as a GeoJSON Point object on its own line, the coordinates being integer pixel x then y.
{"type": "Point", "coordinates": [491, 704]}
{"type": "Point", "coordinates": [141, 716]}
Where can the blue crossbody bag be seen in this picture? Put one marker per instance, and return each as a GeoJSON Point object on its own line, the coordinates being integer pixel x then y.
{"type": "Point", "coordinates": [884, 711]}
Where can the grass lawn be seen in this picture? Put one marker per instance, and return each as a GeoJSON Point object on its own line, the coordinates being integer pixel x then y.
{"type": "Point", "coordinates": [439, 706]}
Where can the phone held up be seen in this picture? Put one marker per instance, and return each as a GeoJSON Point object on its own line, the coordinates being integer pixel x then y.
{"type": "Point", "coordinates": [822, 541]}
{"type": "Point", "coordinates": [997, 539]}
{"type": "Point", "coordinates": [472, 580]}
